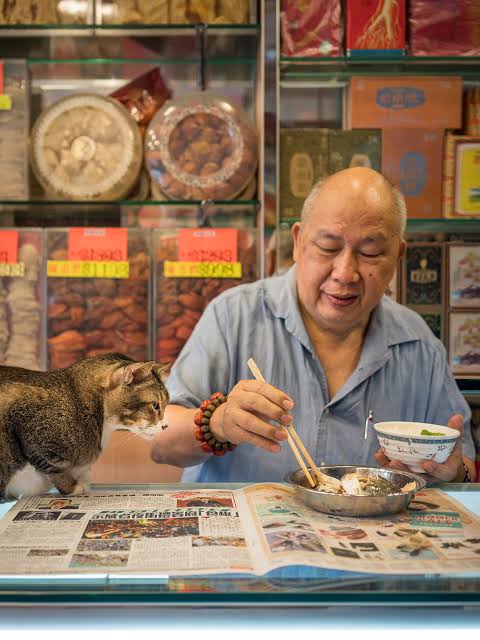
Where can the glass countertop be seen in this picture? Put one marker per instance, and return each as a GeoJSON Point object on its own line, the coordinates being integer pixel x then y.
{"type": "Point", "coordinates": [291, 586]}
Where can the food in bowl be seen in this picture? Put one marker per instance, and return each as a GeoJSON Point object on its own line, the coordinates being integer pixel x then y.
{"type": "Point", "coordinates": [358, 484]}
{"type": "Point", "coordinates": [414, 442]}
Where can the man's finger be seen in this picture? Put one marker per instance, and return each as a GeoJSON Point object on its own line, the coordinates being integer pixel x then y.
{"type": "Point", "coordinates": [456, 422]}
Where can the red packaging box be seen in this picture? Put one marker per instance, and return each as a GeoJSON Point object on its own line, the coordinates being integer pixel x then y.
{"type": "Point", "coordinates": [375, 26]}
{"type": "Point", "coordinates": [412, 160]}
{"type": "Point", "coordinates": [405, 102]}
{"type": "Point", "coordinates": [311, 29]}
{"type": "Point", "coordinates": [444, 28]}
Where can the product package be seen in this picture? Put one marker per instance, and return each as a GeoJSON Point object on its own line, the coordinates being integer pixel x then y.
{"type": "Point", "coordinates": [471, 125]}
{"type": "Point", "coordinates": [14, 127]}
{"type": "Point", "coordinates": [439, 28]}
{"type": "Point", "coordinates": [45, 12]}
{"type": "Point", "coordinates": [192, 267]}
{"type": "Point", "coordinates": [464, 275]}
{"type": "Point", "coordinates": [449, 177]}
{"type": "Point", "coordinates": [464, 342]}
{"type": "Point", "coordinates": [308, 155]}
{"type": "Point", "coordinates": [375, 27]}
{"type": "Point", "coordinates": [467, 179]}
{"type": "Point", "coordinates": [98, 283]}
{"type": "Point", "coordinates": [201, 147]}
{"type": "Point", "coordinates": [143, 97]}
{"type": "Point", "coordinates": [405, 102]}
{"type": "Point", "coordinates": [423, 274]}
{"type": "Point", "coordinates": [311, 29]}
{"type": "Point", "coordinates": [86, 147]}
{"type": "Point", "coordinates": [435, 319]}
{"type": "Point", "coordinates": [21, 300]}
{"type": "Point", "coordinates": [412, 160]}
{"type": "Point", "coordinates": [173, 11]}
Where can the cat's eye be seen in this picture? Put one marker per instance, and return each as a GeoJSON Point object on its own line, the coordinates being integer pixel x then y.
{"type": "Point", "coordinates": [156, 406]}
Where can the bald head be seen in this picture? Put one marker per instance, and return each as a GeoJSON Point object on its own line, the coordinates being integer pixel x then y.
{"type": "Point", "coordinates": [363, 185]}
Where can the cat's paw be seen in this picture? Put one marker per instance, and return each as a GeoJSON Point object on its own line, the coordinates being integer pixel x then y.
{"type": "Point", "coordinates": [79, 489]}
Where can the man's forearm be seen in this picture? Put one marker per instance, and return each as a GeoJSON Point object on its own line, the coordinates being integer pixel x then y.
{"type": "Point", "coordinates": [176, 444]}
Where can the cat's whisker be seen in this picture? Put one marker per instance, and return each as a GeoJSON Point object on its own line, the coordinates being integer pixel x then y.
{"type": "Point", "coordinates": [125, 441]}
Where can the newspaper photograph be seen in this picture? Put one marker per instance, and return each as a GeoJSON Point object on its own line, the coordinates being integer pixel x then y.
{"type": "Point", "coordinates": [251, 530]}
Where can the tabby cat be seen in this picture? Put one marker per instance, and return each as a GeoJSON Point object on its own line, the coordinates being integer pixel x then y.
{"type": "Point", "coordinates": [54, 425]}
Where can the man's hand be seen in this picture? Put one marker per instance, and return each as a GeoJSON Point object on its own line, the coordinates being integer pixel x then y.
{"type": "Point", "coordinates": [449, 471]}
{"type": "Point", "coordinates": [245, 416]}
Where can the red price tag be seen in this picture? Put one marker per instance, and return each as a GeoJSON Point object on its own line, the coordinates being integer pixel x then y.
{"type": "Point", "coordinates": [95, 244]}
{"type": "Point", "coordinates": [8, 246]}
{"type": "Point", "coordinates": [208, 245]}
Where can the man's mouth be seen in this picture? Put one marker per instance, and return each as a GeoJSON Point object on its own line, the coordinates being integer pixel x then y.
{"type": "Point", "coordinates": [340, 300]}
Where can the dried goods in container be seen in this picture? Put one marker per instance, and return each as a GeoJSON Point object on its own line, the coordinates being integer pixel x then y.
{"type": "Point", "coordinates": [86, 147]}
{"type": "Point", "coordinates": [179, 302]}
{"type": "Point", "coordinates": [14, 124]}
{"type": "Point", "coordinates": [20, 305]}
{"type": "Point", "coordinates": [173, 11]}
{"type": "Point", "coordinates": [31, 12]}
{"type": "Point", "coordinates": [91, 316]}
{"type": "Point", "coordinates": [201, 147]}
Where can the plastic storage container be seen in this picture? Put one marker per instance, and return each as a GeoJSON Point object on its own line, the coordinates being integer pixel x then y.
{"type": "Point", "coordinates": [21, 298]}
{"type": "Point", "coordinates": [86, 147]}
{"type": "Point", "coordinates": [173, 11]}
{"type": "Point", "coordinates": [14, 126]}
{"type": "Point", "coordinates": [200, 147]}
{"type": "Point", "coordinates": [44, 12]}
{"type": "Point", "coordinates": [180, 301]}
{"type": "Point", "coordinates": [89, 316]}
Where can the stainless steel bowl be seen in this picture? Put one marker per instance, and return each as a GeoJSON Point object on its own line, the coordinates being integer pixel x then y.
{"type": "Point", "coordinates": [361, 506]}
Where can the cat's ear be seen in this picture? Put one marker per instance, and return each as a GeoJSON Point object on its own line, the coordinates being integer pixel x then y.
{"type": "Point", "coordinates": [131, 374]}
{"type": "Point", "coordinates": [161, 370]}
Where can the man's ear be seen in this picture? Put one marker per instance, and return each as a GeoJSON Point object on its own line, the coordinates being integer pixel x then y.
{"type": "Point", "coordinates": [131, 374]}
{"type": "Point", "coordinates": [296, 233]}
{"type": "Point", "coordinates": [402, 249]}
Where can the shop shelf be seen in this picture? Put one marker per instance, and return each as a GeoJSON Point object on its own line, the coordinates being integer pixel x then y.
{"type": "Point", "coordinates": [295, 71]}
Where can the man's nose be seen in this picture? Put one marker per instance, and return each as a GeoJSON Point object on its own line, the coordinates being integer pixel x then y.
{"type": "Point", "coordinates": [345, 267]}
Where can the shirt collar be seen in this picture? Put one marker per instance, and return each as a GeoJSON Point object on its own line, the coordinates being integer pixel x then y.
{"type": "Point", "coordinates": [387, 327]}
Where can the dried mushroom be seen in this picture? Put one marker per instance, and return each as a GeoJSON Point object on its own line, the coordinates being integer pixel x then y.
{"type": "Point", "coordinates": [86, 147]}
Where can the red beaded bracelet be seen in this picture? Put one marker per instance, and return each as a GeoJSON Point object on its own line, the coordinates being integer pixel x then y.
{"type": "Point", "coordinates": [207, 440]}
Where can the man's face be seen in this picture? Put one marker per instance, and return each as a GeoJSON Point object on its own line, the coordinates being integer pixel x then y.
{"type": "Point", "coordinates": [346, 254]}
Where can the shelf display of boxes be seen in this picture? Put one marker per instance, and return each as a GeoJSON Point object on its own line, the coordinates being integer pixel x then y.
{"type": "Point", "coordinates": [464, 275]}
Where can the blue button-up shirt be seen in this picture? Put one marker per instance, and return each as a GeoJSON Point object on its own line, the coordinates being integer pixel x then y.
{"type": "Point", "coordinates": [402, 375]}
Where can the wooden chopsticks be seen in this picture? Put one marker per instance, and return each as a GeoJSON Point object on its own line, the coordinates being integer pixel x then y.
{"type": "Point", "coordinates": [291, 436]}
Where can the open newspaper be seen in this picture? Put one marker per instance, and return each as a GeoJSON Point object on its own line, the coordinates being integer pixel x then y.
{"type": "Point", "coordinates": [250, 530]}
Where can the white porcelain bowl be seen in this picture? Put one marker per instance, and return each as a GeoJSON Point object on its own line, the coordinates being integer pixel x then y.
{"type": "Point", "coordinates": [403, 441]}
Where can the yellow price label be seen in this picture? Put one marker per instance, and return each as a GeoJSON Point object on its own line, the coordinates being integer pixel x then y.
{"type": "Point", "coordinates": [12, 269]}
{"type": "Point", "coordinates": [179, 269]}
{"type": "Point", "coordinates": [87, 269]}
{"type": "Point", "coordinates": [5, 102]}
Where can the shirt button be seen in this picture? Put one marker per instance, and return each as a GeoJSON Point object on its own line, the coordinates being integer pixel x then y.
{"type": "Point", "coordinates": [326, 411]}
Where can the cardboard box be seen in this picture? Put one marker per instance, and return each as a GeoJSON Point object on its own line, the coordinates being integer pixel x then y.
{"type": "Point", "coordinates": [369, 33]}
{"type": "Point", "coordinates": [467, 179]}
{"type": "Point", "coordinates": [464, 275]}
{"type": "Point", "coordinates": [303, 161]}
{"type": "Point", "coordinates": [412, 160]}
{"type": "Point", "coordinates": [464, 342]}
{"type": "Point", "coordinates": [356, 148]}
{"type": "Point", "coordinates": [423, 274]}
{"type": "Point", "coordinates": [404, 102]}
{"type": "Point", "coordinates": [449, 174]}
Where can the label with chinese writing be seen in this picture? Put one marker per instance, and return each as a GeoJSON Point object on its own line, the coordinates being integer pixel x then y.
{"type": "Point", "coordinates": [207, 245]}
{"type": "Point", "coordinates": [87, 269]}
{"type": "Point", "coordinates": [8, 246]}
{"type": "Point", "coordinates": [97, 245]}
{"type": "Point", "coordinates": [12, 269]}
{"type": "Point", "coordinates": [181, 269]}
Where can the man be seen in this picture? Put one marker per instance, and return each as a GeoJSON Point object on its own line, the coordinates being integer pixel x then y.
{"type": "Point", "coordinates": [329, 343]}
